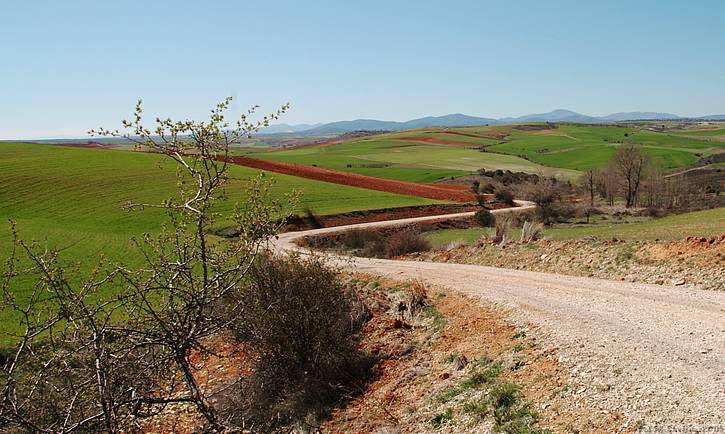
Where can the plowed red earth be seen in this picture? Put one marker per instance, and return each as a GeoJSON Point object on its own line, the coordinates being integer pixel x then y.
{"type": "Point", "coordinates": [352, 179]}
{"type": "Point", "coordinates": [434, 140]}
{"type": "Point", "coordinates": [456, 187]}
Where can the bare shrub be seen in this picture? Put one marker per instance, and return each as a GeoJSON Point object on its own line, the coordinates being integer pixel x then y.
{"type": "Point", "coordinates": [503, 226]}
{"type": "Point", "coordinates": [312, 220]}
{"type": "Point", "coordinates": [404, 242]}
{"type": "Point", "coordinates": [548, 197]}
{"type": "Point", "coordinates": [418, 297]}
{"type": "Point", "coordinates": [504, 196]}
{"type": "Point", "coordinates": [303, 323]}
{"type": "Point", "coordinates": [484, 218]}
{"type": "Point", "coordinates": [531, 231]}
{"type": "Point", "coordinates": [360, 238]}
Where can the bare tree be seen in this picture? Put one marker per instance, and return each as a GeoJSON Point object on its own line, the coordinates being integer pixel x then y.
{"type": "Point", "coordinates": [653, 186]}
{"type": "Point", "coordinates": [630, 162]}
{"type": "Point", "coordinates": [588, 182]}
{"type": "Point", "coordinates": [607, 183]}
{"type": "Point", "coordinates": [95, 355]}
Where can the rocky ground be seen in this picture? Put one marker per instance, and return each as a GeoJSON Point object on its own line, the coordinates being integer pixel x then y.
{"type": "Point", "coordinates": [425, 379]}
{"type": "Point", "coordinates": [693, 262]}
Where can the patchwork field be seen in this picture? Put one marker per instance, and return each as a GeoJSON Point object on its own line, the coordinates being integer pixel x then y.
{"type": "Point", "coordinates": [562, 150]}
{"type": "Point", "coordinates": [398, 156]}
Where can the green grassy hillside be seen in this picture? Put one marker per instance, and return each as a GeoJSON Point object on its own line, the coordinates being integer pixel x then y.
{"type": "Point", "coordinates": [581, 147]}
{"type": "Point", "coordinates": [73, 197]}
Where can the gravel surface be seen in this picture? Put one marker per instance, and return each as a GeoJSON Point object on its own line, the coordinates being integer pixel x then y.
{"type": "Point", "coordinates": [654, 353]}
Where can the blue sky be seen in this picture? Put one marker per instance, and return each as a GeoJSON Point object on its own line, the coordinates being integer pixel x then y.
{"type": "Point", "coordinates": [74, 65]}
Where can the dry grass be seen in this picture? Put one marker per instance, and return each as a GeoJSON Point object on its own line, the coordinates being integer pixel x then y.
{"type": "Point", "coordinates": [532, 231]}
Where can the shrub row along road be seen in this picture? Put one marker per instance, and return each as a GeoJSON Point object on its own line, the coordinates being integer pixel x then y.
{"type": "Point", "coordinates": [655, 354]}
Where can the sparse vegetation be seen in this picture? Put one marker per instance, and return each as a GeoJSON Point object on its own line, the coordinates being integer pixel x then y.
{"type": "Point", "coordinates": [483, 393]}
{"type": "Point", "coordinates": [441, 418]}
{"type": "Point", "coordinates": [484, 372]}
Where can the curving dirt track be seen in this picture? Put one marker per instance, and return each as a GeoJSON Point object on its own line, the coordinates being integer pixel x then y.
{"type": "Point", "coordinates": [428, 191]}
{"type": "Point", "coordinates": [655, 354]}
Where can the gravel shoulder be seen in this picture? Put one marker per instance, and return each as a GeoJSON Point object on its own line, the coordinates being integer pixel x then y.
{"type": "Point", "coordinates": [654, 353]}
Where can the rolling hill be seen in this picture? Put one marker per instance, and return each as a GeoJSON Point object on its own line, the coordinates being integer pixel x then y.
{"type": "Point", "coordinates": [462, 120]}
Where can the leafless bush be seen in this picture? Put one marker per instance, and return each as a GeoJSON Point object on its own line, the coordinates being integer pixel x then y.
{"type": "Point", "coordinates": [360, 238]}
{"type": "Point", "coordinates": [418, 297]}
{"type": "Point", "coordinates": [548, 196]}
{"type": "Point", "coordinates": [404, 242]}
{"type": "Point", "coordinates": [94, 352]}
{"type": "Point", "coordinates": [311, 218]}
{"type": "Point", "coordinates": [303, 323]}
{"type": "Point", "coordinates": [504, 223]}
{"type": "Point", "coordinates": [484, 218]}
{"type": "Point", "coordinates": [531, 231]}
{"type": "Point", "coordinates": [504, 196]}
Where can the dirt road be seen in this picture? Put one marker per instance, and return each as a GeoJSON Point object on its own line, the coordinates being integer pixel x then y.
{"type": "Point", "coordinates": [656, 354]}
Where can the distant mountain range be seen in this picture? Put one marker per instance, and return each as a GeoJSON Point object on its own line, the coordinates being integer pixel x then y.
{"type": "Point", "coordinates": [460, 120]}
{"type": "Point", "coordinates": [285, 128]}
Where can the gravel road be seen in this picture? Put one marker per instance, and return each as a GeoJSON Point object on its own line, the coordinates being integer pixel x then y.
{"type": "Point", "coordinates": [655, 354]}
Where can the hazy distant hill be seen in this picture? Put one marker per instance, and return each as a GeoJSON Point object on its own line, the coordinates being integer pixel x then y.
{"type": "Point", "coordinates": [285, 128]}
{"type": "Point", "coordinates": [616, 117]}
{"type": "Point", "coordinates": [454, 120]}
{"type": "Point", "coordinates": [552, 116]}
{"type": "Point", "coordinates": [459, 120]}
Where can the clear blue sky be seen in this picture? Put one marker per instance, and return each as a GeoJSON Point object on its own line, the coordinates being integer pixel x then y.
{"type": "Point", "coordinates": [73, 65]}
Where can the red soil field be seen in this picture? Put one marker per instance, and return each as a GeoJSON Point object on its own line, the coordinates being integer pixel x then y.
{"type": "Point", "coordinates": [427, 191]}
{"type": "Point", "coordinates": [457, 187]}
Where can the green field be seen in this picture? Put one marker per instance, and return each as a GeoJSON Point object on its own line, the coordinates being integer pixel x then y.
{"type": "Point", "coordinates": [677, 227]}
{"type": "Point", "coordinates": [385, 157]}
{"type": "Point", "coordinates": [563, 151]}
{"type": "Point", "coordinates": [73, 198]}
{"type": "Point", "coordinates": [714, 132]}
{"type": "Point", "coordinates": [581, 147]}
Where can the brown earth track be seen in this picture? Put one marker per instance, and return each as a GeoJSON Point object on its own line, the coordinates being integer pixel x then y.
{"type": "Point", "coordinates": [355, 180]}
